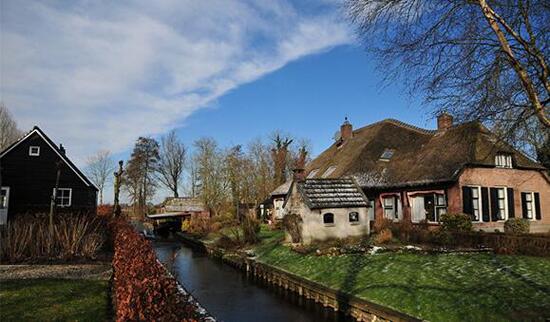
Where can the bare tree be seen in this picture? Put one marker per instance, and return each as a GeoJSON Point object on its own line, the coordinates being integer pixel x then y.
{"type": "Point", "coordinates": [8, 128]}
{"type": "Point", "coordinates": [171, 162]}
{"type": "Point", "coordinates": [99, 168]}
{"type": "Point", "coordinates": [477, 59]}
{"type": "Point", "coordinates": [280, 156]}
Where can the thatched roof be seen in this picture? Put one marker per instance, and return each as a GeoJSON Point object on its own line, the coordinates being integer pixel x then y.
{"type": "Point", "coordinates": [331, 193]}
{"type": "Point", "coordinates": [281, 190]}
{"type": "Point", "coordinates": [419, 156]}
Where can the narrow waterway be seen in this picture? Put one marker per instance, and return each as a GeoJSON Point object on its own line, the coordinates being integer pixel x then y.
{"type": "Point", "coordinates": [231, 296]}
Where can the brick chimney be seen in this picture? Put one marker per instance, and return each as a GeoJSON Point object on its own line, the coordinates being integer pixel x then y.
{"type": "Point", "coordinates": [444, 121]}
{"type": "Point", "coordinates": [299, 174]}
{"type": "Point", "coordinates": [346, 130]}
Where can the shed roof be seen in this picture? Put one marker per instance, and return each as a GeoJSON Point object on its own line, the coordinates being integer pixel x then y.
{"type": "Point", "coordinates": [332, 193]}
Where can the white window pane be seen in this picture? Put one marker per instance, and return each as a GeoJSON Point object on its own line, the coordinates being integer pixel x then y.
{"type": "Point", "coordinates": [475, 193]}
{"type": "Point", "coordinates": [528, 197]}
{"type": "Point", "coordinates": [500, 193]}
{"type": "Point", "coordinates": [529, 206]}
{"type": "Point", "coordinates": [388, 202]}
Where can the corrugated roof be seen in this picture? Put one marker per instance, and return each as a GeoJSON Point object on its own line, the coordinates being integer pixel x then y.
{"type": "Point", "coordinates": [332, 193]}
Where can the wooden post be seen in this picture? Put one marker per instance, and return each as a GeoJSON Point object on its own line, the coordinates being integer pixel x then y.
{"type": "Point", "coordinates": [54, 197]}
{"type": "Point", "coordinates": [118, 181]}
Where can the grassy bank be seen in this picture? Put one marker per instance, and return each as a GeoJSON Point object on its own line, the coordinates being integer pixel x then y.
{"type": "Point", "coordinates": [54, 300]}
{"type": "Point", "coordinates": [444, 287]}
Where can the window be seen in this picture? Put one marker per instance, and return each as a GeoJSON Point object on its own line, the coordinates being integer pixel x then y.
{"type": "Point", "coordinates": [528, 205]}
{"type": "Point", "coordinates": [476, 203]}
{"type": "Point", "coordinates": [390, 207]}
{"type": "Point", "coordinates": [434, 206]}
{"type": "Point", "coordinates": [64, 196]}
{"type": "Point", "coordinates": [328, 218]}
{"type": "Point", "coordinates": [503, 160]}
{"type": "Point", "coordinates": [34, 151]}
{"type": "Point", "coordinates": [354, 217]}
{"type": "Point", "coordinates": [313, 173]}
{"type": "Point", "coordinates": [329, 171]}
{"type": "Point", "coordinates": [501, 204]}
{"type": "Point", "coordinates": [387, 154]}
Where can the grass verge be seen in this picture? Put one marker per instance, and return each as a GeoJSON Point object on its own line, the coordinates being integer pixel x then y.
{"type": "Point", "coordinates": [54, 300]}
{"type": "Point", "coordinates": [442, 287]}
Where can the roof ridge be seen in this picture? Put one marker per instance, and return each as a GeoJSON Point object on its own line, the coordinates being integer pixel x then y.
{"type": "Point", "coordinates": [400, 124]}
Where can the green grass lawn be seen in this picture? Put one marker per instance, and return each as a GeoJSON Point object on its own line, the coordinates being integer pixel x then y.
{"type": "Point", "coordinates": [444, 287]}
{"type": "Point", "coordinates": [54, 300]}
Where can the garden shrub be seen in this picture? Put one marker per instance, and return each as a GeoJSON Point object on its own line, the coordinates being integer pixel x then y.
{"type": "Point", "coordinates": [383, 236]}
{"type": "Point", "coordinates": [75, 236]}
{"type": "Point", "coordinates": [293, 225]}
{"type": "Point", "coordinates": [517, 226]}
{"type": "Point", "coordinates": [381, 223]}
{"type": "Point", "coordinates": [442, 237]}
{"type": "Point", "coordinates": [402, 230]}
{"type": "Point", "coordinates": [105, 210]}
{"type": "Point", "coordinates": [251, 229]}
{"type": "Point", "coordinates": [215, 226]}
{"type": "Point", "coordinates": [456, 222]}
{"type": "Point", "coordinates": [142, 288]}
{"type": "Point", "coordinates": [199, 226]}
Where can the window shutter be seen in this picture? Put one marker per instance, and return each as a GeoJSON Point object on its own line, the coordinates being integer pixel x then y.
{"type": "Point", "coordinates": [485, 203]}
{"type": "Point", "coordinates": [494, 204]}
{"type": "Point", "coordinates": [537, 206]}
{"type": "Point", "coordinates": [511, 207]}
{"type": "Point", "coordinates": [524, 204]}
{"type": "Point", "coordinates": [467, 201]}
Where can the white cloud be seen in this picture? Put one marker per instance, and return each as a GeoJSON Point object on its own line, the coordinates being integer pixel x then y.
{"type": "Point", "coordinates": [97, 75]}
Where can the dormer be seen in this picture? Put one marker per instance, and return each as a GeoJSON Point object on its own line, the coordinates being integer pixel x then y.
{"type": "Point", "coordinates": [503, 160]}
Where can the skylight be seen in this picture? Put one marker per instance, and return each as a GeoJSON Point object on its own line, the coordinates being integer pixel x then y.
{"type": "Point", "coordinates": [387, 154]}
{"type": "Point", "coordinates": [329, 171]}
{"type": "Point", "coordinates": [313, 173]}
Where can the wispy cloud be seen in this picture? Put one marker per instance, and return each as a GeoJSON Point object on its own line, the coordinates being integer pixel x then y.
{"type": "Point", "coordinates": [99, 74]}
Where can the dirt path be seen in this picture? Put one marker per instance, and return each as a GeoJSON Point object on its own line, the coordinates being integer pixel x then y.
{"type": "Point", "coordinates": [77, 271]}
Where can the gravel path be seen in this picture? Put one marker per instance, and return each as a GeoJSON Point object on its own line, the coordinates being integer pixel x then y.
{"type": "Point", "coordinates": [83, 271]}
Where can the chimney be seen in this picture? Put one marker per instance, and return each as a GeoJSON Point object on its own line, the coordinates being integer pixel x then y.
{"type": "Point", "coordinates": [346, 130]}
{"type": "Point", "coordinates": [61, 149]}
{"type": "Point", "coordinates": [299, 174]}
{"type": "Point", "coordinates": [444, 121]}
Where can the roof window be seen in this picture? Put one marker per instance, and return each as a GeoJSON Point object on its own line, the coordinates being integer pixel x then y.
{"type": "Point", "coordinates": [503, 160]}
{"type": "Point", "coordinates": [329, 171]}
{"type": "Point", "coordinates": [313, 173]}
{"type": "Point", "coordinates": [387, 155]}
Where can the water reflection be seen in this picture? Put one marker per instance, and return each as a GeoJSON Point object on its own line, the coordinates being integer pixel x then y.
{"type": "Point", "coordinates": [230, 295]}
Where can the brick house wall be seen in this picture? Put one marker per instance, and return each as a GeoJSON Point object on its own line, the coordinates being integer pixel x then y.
{"type": "Point", "coordinates": [519, 180]}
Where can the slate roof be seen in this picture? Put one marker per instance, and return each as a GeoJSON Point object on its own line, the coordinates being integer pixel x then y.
{"type": "Point", "coordinates": [420, 157]}
{"type": "Point", "coordinates": [332, 193]}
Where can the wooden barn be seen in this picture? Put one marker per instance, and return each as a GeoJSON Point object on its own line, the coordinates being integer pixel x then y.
{"type": "Point", "coordinates": [28, 174]}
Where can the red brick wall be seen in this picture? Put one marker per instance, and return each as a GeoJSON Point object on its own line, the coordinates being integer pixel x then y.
{"type": "Point", "coordinates": [519, 180]}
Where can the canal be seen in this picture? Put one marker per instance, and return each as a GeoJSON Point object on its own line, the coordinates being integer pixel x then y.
{"type": "Point", "coordinates": [230, 296]}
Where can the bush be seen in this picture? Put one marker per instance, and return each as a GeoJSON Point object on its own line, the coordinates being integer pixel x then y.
{"type": "Point", "coordinates": [383, 236]}
{"type": "Point", "coordinates": [225, 220]}
{"type": "Point", "coordinates": [293, 225]}
{"type": "Point", "coordinates": [456, 222]}
{"type": "Point", "coordinates": [251, 229]}
{"type": "Point", "coordinates": [199, 226]}
{"type": "Point", "coordinates": [402, 230]}
{"type": "Point", "coordinates": [516, 226]}
{"type": "Point", "coordinates": [142, 288]}
{"type": "Point", "coordinates": [381, 223]}
{"type": "Point", "coordinates": [105, 210]}
{"type": "Point", "coordinates": [28, 238]}
{"type": "Point", "coordinates": [216, 226]}
{"type": "Point", "coordinates": [441, 237]}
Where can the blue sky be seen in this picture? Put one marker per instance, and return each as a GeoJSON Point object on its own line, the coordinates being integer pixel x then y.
{"type": "Point", "coordinates": [307, 98]}
{"type": "Point", "coordinates": [96, 75]}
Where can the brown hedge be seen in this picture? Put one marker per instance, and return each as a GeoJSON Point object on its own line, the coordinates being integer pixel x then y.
{"type": "Point", "coordinates": [527, 244]}
{"type": "Point", "coordinates": [142, 289]}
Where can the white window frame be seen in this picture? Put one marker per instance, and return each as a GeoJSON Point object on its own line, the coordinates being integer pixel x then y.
{"type": "Point", "coordinates": [437, 206]}
{"type": "Point", "coordinates": [505, 192]}
{"type": "Point", "coordinates": [34, 154]}
{"type": "Point", "coordinates": [60, 204]}
{"type": "Point", "coordinates": [479, 202]}
{"type": "Point", "coordinates": [503, 160]}
{"type": "Point", "coordinates": [531, 203]}
{"type": "Point", "coordinates": [393, 207]}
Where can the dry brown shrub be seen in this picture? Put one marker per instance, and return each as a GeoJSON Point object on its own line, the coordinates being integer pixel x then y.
{"type": "Point", "coordinates": [384, 236]}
